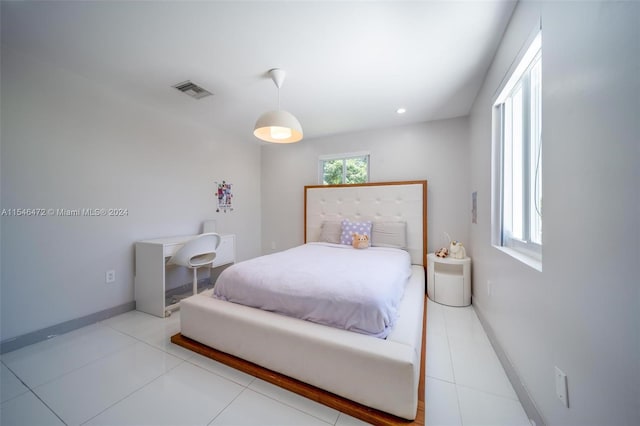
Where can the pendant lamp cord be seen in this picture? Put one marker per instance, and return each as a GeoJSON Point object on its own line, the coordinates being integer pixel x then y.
{"type": "Point", "coordinates": [278, 99]}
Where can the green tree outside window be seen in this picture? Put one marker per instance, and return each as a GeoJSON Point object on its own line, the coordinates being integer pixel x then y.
{"type": "Point", "coordinates": [347, 170]}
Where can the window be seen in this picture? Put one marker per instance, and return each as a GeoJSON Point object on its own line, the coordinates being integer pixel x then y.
{"type": "Point", "coordinates": [344, 168]}
{"type": "Point", "coordinates": [517, 157]}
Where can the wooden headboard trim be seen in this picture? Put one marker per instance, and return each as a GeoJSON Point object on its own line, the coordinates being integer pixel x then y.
{"type": "Point", "coordinates": [411, 182]}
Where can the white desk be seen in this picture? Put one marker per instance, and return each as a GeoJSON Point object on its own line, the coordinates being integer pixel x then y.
{"type": "Point", "coordinates": [151, 257]}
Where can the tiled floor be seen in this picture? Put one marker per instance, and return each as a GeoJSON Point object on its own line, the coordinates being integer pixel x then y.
{"type": "Point", "coordinates": [124, 371]}
{"type": "Point", "coordinates": [466, 384]}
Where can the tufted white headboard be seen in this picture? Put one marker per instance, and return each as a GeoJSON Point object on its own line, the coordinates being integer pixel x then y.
{"type": "Point", "coordinates": [383, 202]}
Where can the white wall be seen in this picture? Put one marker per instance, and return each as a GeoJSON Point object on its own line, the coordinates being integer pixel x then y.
{"type": "Point", "coordinates": [582, 312]}
{"type": "Point", "coordinates": [436, 151]}
{"type": "Point", "coordinates": [69, 143]}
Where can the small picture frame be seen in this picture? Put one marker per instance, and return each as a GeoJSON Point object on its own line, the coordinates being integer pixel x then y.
{"type": "Point", "coordinates": [225, 196]}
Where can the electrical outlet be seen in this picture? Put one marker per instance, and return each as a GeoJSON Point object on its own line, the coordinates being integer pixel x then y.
{"type": "Point", "coordinates": [561, 387]}
{"type": "Point", "coordinates": [489, 289]}
{"type": "Point", "coordinates": [110, 276]}
{"type": "Point", "coordinates": [273, 245]}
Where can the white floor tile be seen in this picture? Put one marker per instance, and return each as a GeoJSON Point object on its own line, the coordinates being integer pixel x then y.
{"type": "Point", "coordinates": [220, 369]}
{"type": "Point", "coordinates": [476, 365]}
{"type": "Point", "coordinates": [253, 408]}
{"type": "Point", "coordinates": [438, 362]}
{"type": "Point", "coordinates": [441, 404]}
{"type": "Point", "coordinates": [479, 408]}
{"type": "Point", "coordinates": [139, 324]}
{"type": "Point", "coordinates": [39, 363]}
{"type": "Point", "coordinates": [152, 330]}
{"type": "Point", "coordinates": [85, 392]}
{"type": "Point", "coordinates": [10, 386]}
{"type": "Point", "coordinates": [27, 410]}
{"type": "Point", "coordinates": [125, 371]}
{"type": "Point", "coordinates": [291, 399]}
{"type": "Point", "coordinates": [463, 322]}
{"type": "Point", "coordinates": [347, 420]}
{"type": "Point", "coordinates": [435, 318]}
{"type": "Point", "coordinates": [186, 395]}
{"type": "Point", "coordinates": [161, 339]}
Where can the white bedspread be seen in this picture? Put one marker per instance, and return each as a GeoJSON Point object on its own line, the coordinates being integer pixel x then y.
{"type": "Point", "coordinates": [330, 284]}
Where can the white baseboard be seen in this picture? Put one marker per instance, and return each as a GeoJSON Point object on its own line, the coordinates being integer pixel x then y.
{"type": "Point", "coordinates": [18, 342]}
{"type": "Point", "coordinates": [521, 391]}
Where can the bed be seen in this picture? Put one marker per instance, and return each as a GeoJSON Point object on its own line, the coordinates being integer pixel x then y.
{"type": "Point", "coordinates": [375, 379]}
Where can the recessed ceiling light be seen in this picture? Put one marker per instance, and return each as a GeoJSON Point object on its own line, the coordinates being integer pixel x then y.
{"type": "Point", "coordinates": [401, 110]}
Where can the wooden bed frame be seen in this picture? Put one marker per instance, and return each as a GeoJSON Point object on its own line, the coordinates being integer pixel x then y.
{"type": "Point", "coordinates": [321, 396]}
{"type": "Point", "coordinates": [403, 203]}
{"type": "Point", "coordinates": [313, 220]}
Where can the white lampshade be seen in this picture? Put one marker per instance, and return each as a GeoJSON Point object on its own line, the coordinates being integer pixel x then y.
{"type": "Point", "coordinates": [278, 127]}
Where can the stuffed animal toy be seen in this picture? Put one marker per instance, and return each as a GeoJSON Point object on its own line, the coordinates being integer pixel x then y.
{"type": "Point", "coordinates": [360, 241]}
{"type": "Point", "coordinates": [442, 252]}
{"type": "Point", "coordinates": [457, 250]}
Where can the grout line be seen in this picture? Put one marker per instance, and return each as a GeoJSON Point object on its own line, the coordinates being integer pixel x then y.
{"type": "Point", "coordinates": [147, 343]}
{"type": "Point", "coordinates": [291, 406]}
{"type": "Point", "coordinates": [441, 379]}
{"type": "Point", "coordinates": [453, 370]}
{"type": "Point", "coordinates": [47, 405]}
{"type": "Point", "coordinates": [86, 364]}
{"type": "Point", "coordinates": [26, 388]}
{"type": "Point", "coordinates": [455, 385]}
{"type": "Point", "coordinates": [253, 380]}
{"type": "Point", "coordinates": [221, 376]}
{"type": "Point", "coordinates": [250, 389]}
{"type": "Point", "coordinates": [131, 393]}
{"type": "Point", "coordinates": [227, 406]}
{"type": "Point", "coordinates": [446, 329]}
{"type": "Point", "coordinates": [102, 358]}
{"type": "Point", "coordinates": [488, 393]}
{"type": "Point", "coordinates": [29, 390]}
{"type": "Point", "coordinates": [82, 365]}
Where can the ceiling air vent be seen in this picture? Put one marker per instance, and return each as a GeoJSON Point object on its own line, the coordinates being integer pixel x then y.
{"type": "Point", "coordinates": [192, 89]}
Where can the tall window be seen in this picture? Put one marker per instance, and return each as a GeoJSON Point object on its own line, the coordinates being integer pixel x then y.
{"type": "Point", "coordinates": [344, 168]}
{"type": "Point", "coordinates": [517, 165]}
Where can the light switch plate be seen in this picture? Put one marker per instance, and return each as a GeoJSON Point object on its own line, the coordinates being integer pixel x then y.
{"type": "Point", "coordinates": [561, 387]}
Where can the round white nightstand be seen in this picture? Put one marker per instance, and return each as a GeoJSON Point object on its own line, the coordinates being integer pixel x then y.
{"type": "Point", "coordinates": [449, 280]}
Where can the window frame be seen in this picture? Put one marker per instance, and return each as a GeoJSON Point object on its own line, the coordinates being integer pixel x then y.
{"type": "Point", "coordinates": [344, 157]}
{"type": "Point", "coordinates": [524, 245]}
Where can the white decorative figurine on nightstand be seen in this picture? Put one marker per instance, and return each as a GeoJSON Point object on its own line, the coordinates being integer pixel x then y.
{"type": "Point", "coordinates": [456, 250]}
{"type": "Point", "coordinates": [449, 280]}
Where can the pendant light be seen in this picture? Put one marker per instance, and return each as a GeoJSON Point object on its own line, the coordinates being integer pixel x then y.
{"type": "Point", "coordinates": [278, 126]}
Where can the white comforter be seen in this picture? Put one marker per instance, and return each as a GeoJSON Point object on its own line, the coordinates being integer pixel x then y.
{"type": "Point", "coordinates": [332, 284]}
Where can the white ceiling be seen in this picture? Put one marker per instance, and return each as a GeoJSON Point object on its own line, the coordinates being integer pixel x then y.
{"type": "Point", "coordinates": [349, 65]}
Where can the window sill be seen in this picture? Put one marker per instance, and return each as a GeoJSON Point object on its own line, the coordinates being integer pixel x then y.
{"type": "Point", "coordinates": [527, 260]}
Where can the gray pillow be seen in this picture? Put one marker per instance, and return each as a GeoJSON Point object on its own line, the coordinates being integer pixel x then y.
{"type": "Point", "coordinates": [330, 231]}
{"type": "Point", "coordinates": [389, 234]}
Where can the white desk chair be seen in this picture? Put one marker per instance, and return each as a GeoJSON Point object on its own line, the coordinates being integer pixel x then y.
{"type": "Point", "coordinates": [200, 251]}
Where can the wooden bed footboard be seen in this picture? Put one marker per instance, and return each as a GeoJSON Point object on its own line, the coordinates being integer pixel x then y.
{"type": "Point", "coordinates": [321, 396]}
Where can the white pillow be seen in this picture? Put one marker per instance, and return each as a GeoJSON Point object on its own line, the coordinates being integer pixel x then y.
{"type": "Point", "coordinates": [330, 232]}
{"type": "Point", "coordinates": [389, 234]}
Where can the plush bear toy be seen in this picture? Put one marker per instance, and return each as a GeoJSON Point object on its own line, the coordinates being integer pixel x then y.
{"type": "Point", "coordinates": [360, 241]}
{"type": "Point", "coordinates": [442, 252]}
